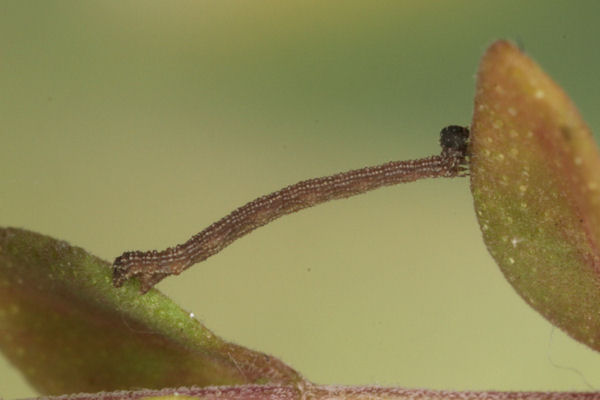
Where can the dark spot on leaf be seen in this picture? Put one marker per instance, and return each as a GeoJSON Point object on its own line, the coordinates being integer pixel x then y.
{"type": "Point", "coordinates": [566, 132]}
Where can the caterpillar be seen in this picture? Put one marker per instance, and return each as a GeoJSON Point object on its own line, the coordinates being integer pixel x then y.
{"type": "Point", "coordinates": [150, 267]}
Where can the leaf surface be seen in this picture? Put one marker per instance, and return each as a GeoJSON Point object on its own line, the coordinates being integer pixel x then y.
{"type": "Point", "coordinates": [69, 330]}
{"type": "Point", "coordinates": [535, 179]}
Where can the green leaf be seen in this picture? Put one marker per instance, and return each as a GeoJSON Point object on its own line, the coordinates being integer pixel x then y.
{"type": "Point", "coordinates": [69, 330]}
{"type": "Point", "coordinates": [535, 179]}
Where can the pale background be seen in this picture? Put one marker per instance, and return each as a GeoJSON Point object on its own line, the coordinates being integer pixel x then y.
{"type": "Point", "coordinates": [132, 125]}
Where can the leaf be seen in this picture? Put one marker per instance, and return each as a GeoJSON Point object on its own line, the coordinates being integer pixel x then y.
{"type": "Point", "coordinates": [535, 179]}
{"type": "Point", "coordinates": [69, 330]}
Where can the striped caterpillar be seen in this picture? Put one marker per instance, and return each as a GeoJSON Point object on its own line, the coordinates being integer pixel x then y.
{"type": "Point", "coordinates": [150, 267]}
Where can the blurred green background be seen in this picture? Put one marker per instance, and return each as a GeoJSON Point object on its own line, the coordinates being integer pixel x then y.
{"type": "Point", "coordinates": [132, 125]}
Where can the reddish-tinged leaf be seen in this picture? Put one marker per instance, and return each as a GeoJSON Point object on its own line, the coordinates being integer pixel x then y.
{"type": "Point", "coordinates": [535, 179]}
{"type": "Point", "coordinates": [66, 327]}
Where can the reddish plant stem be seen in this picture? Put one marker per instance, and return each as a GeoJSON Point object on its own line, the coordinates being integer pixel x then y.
{"type": "Point", "coordinates": [317, 392]}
